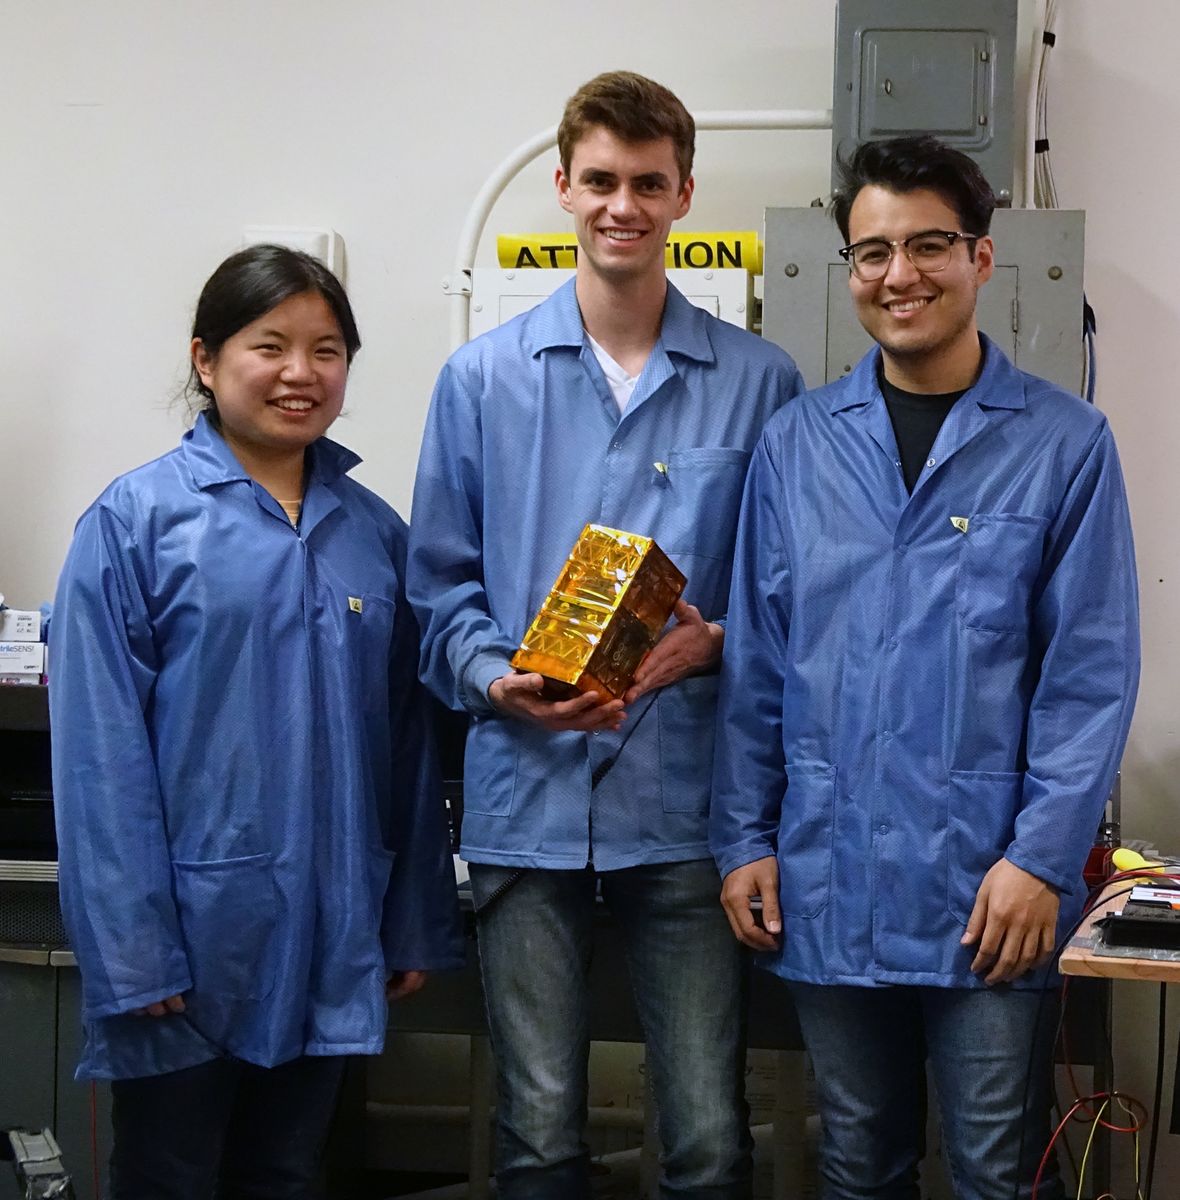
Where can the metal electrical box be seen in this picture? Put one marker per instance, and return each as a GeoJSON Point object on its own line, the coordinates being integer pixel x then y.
{"type": "Point", "coordinates": [1031, 307]}
{"type": "Point", "coordinates": [945, 67]}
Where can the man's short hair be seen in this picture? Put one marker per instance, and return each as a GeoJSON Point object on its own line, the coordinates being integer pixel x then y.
{"type": "Point", "coordinates": [634, 109]}
{"type": "Point", "coordinates": [907, 164]}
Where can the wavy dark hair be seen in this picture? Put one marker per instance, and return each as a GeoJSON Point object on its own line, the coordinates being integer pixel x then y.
{"type": "Point", "coordinates": [907, 164]}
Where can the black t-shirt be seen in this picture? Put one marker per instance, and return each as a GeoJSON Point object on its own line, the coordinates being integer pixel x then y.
{"type": "Point", "coordinates": [916, 421]}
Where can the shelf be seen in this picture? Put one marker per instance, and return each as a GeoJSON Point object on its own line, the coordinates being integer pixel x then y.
{"type": "Point", "coordinates": [24, 707]}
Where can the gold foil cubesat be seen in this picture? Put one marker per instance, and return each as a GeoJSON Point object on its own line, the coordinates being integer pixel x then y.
{"type": "Point", "coordinates": [611, 601]}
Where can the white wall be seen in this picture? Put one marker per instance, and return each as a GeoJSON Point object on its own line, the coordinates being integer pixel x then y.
{"type": "Point", "coordinates": [1113, 121]}
{"type": "Point", "coordinates": [137, 139]}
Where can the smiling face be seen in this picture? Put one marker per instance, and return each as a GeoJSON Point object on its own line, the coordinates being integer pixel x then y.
{"type": "Point", "coordinates": [924, 323]}
{"type": "Point", "coordinates": [623, 197]}
{"type": "Point", "coordinates": [279, 381]}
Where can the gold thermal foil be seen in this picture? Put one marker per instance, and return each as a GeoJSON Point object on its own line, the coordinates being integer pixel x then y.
{"type": "Point", "coordinates": [612, 599]}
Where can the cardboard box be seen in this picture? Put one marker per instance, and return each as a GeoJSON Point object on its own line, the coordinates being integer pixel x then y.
{"type": "Point", "coordinates": [22, 658]}
{"type": "Point", "coordinates": [19, 625]}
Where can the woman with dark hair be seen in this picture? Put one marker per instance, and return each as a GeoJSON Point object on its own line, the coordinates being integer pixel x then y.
{"type": "Point", "coordinates": [251, 841]}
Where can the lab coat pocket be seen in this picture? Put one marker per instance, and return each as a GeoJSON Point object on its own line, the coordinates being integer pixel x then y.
{"type": "Point", "coordinates": [490, 767]}
{"type": "Point", "coordinates": [805, 839]}
{"type": "Point", "coordinates": [372, 637]}
{"type": "Point", "coordinates": [1000, 556]}
{"type": "Point", "coordinates": [687, 713]}
{"type": "Point", "coordinates": [227, 912]}
{"type": "Point", "coordinates": [702, 495]}
{"type": "Point", "coordinates": [981, 822]}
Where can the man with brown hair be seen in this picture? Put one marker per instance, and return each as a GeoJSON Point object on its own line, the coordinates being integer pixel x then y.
{"type": "Point", "coordinates": [614, 401]}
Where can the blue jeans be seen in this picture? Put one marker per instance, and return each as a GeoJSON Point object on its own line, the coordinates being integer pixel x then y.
{"type": "Point", "coordinates": [225, 1128]}
{"type": "Point", "coordinates": [869, 1048]}
{"type": "Point", "coordinates": [688, 977]}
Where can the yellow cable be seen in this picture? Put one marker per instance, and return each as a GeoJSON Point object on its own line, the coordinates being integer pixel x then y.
{"type": "Point", "coordinates": [1134, 1121]}
{"type": "Point", "coordinates": [1089, 1143]}
{"type": "Point", "coordinates": [1138, 1193]}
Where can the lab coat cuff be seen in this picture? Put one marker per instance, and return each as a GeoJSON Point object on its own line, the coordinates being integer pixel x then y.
{"type": "Point", "coordinates": [478, 676]}
{"type": "Point", "coordinates": [729, 858]}
{"type": "Point", "coordinates": [1055, 879]}
{"type": "Point", "coordinates": [125, 1004]}
{"type": "Point", "coordinates": [429, 963]}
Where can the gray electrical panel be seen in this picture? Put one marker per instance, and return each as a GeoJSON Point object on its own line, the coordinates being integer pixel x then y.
{"type": "Point", "coordinates": [1031, 307]}
{"type": "Point", "coordinates": [945, 67]}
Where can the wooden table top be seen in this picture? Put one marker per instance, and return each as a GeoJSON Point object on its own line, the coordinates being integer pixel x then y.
{"type": "Point", "coordinates": [1079, 958]}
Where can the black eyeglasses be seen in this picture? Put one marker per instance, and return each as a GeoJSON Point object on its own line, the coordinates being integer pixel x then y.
{"type": "Point", "coordinates": [929, 251]}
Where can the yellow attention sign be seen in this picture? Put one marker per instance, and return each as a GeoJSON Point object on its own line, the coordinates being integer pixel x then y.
{"type": "Point", "coordinates": [703, 251]}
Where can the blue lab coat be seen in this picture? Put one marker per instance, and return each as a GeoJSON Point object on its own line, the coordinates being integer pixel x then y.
{"type": "Point", "coordinates": [524, 445]}
{"type": "Point", "coordinates": [247, 801]}
{"type": "Point", "coordinates": [918, 685]}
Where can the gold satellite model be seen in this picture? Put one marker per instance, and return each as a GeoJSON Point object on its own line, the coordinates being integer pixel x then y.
{"type": "Point", "coordinates": [611, 601]}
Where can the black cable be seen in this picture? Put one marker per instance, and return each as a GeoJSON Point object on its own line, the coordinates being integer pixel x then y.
{"type": "Point", "coordinates": [1159, 1090]}
{"type": "Point", "coordinates": [1032, 1057]}
{"type": "Point", "coordinates": [506, 886]}
{"type": "Point", "coordinates": [605, 767]}
{"type": "Point", "coordinates": [1089, 340]}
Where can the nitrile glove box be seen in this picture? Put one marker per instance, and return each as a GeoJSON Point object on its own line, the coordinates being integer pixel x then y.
{"type": "Point", "coordinates": [22, 658]}
{"type": "Point", "coordinates": [20, 625]}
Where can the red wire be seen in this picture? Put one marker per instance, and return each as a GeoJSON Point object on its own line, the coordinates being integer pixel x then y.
{"type": "Point", "coordinates": [1123, 877]}
{"type": "Point", "coordinates": [1073, 1083]}
{"type": "Point", "coordinates": [1049, 1148]}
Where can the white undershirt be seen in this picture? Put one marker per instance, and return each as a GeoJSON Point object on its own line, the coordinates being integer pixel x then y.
{"type": "Point", "coordinates": [621, 384]}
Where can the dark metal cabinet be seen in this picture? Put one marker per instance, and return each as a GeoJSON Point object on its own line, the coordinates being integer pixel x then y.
{"type": "Point", "coordinates": [40, 988]}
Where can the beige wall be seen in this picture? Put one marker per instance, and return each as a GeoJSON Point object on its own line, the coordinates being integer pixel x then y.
{"type": "Point", "coordinates": [137, 139]}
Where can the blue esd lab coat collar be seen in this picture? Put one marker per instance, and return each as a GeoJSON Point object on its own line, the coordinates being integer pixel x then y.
{"type": "Point", "coordinates": [683, 332]}
{"type": "Point", "coordinates": [208, 456]}
{"type": "Point", "coordinates": [998, 389]}
{"type": "Point", "coordinates": [682, 328]}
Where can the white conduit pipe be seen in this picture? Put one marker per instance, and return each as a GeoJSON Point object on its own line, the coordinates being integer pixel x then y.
{"type": "Point", "coordinates": [1030, 114]}
{"type": "Point", "coordinates": [458, 284]}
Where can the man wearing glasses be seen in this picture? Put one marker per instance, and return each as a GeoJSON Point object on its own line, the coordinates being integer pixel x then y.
{"type": "Point", "coordinates": [930, 666]}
